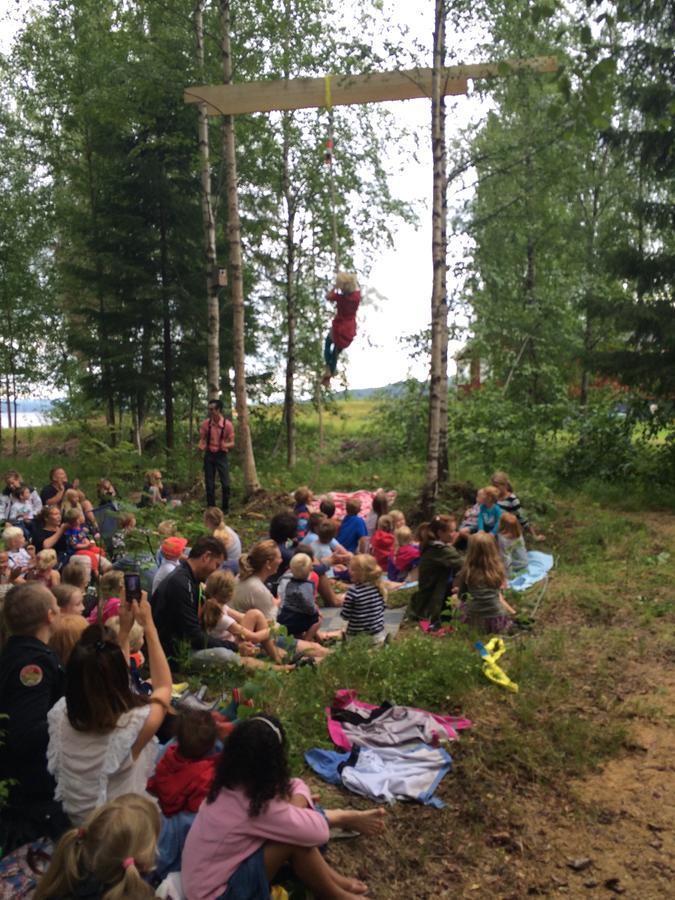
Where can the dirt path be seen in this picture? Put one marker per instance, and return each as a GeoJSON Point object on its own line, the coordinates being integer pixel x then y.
{"type": "Point", "coordinates": [623, 842]}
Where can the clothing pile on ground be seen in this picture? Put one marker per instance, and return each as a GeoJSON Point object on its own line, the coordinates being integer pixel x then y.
{"type": "Point", "coordinates": [389, 752]}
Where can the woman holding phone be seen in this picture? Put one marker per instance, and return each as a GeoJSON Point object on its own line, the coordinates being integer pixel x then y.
{"type": "Point", "coordinates": [101, 734]}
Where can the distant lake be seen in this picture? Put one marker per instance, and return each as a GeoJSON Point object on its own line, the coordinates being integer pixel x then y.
{"type": "Point", "coordinates": [25, 419]}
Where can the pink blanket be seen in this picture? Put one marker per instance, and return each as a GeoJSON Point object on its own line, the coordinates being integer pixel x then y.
{"type": "Point", "coordinates": [340, 498]}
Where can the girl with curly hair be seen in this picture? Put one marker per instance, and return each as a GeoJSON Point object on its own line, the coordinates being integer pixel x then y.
{"type": "Point", "coordinates": [257, 818]}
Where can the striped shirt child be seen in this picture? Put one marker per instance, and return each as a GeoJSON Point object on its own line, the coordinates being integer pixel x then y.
{"type": "Point", "coordinates": [363, 608]}
{"type": "Point", "coordinates": [511, 504]}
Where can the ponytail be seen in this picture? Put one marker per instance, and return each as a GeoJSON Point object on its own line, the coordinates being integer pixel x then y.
{"type": "Point", "coordinates": [211, 612]}
{"type": "Point", "coordinates": [429, 531]}
{"type": "Point", "coordinates": [132, 884]}
{"type": "Point", "coordinates": [253, 561]}
{"type": "Point", "coordinates": [64, 869]}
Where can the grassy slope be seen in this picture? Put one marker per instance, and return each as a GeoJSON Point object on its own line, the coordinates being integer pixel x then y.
{"type": "Point", "coordinates": [608, 613]}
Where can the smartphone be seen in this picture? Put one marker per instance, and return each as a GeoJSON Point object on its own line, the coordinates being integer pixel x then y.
{"type": "Point", "coordinates": [132, 586]}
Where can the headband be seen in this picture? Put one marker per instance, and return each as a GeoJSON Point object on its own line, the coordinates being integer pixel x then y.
{"type": "Point", "coordinates": [271, 725]}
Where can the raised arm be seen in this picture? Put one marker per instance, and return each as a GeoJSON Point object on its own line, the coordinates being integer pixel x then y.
{"type": "Point", "coordinates": [160, 674]}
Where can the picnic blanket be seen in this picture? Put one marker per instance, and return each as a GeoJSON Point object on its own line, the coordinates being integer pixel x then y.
{"type": "Point", "coordinates": [386, 774]}
{"type": "Point", "coordinates": [340, 498]}
{"type": "Point", "coordinates": [538, 566]}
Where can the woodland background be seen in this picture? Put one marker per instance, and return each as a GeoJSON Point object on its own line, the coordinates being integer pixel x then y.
{"type": "Point", "coordinates": [566, 282]}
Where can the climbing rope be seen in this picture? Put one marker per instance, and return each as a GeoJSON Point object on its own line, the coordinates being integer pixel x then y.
{"type": "Point", "coordinates": [328, 161]}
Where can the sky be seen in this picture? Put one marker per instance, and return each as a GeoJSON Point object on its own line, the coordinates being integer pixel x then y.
{"type": "Point", "coordinates": [402, 274]}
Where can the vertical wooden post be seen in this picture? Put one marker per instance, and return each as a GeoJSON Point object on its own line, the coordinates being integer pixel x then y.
{"type": "Point", "coordinates": [251, 483]}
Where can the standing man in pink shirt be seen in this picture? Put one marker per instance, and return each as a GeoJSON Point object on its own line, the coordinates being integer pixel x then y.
{"type": "Point", "coordinates": [216, 439]}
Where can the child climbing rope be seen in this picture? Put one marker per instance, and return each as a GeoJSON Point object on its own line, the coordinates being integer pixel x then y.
{"type": "Point", "coordinates": [347, 296]}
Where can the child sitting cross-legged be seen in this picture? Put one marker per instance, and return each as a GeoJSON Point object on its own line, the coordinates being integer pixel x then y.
{"type": "Point", "coordinates": [185, 772]}
{"type": "Point", "coordinates": [256, 819]}
{"type": "Point", "coordinates": [298, 612]}
{"type": "Point", "coordinates": [363, 606]}
{"type": "Point", "coordinates": [247, 630]}
{"type": "Point", "coordinates": [511, 545]}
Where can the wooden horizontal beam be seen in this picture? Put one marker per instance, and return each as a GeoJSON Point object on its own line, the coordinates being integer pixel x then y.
{"type": "Point", "coordinates": [305, 93]}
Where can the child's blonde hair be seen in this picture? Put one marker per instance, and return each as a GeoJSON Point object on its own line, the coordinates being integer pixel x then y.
{"type": "Point", "coordinates": [72, 514]}
{"type": "Point", "coordinates": [509, 525]}
{"type": "Point", "coordinates": [72, 499]}
{"type": "Point", "coordinates": [46, 559]}
{"type": "Point", "coordinates": [224, 534]}
{"type": "Point", "coordinates": [491, 492]}
{"type": "Point", "coordinates": [67, 630]}
{"type": "Point", "coordinates": [501, 479]}
{"type": "Point", "coordinates": [136, 635]}
{"type": "Point", "coordinates": [10, 534]}
{"type": "Point", "coordinates": [65, 593]}
{"type": "Point", "coordinates": [300, 565]}
{"type": "Point", "coordinates": [219, 589]}
{"type": "Point", "coordinates": [154, 476]}
{"type": "Point", "coordinates": [116, 846]}
{"type": "Point", "coordinates": [364, 570]}
{"type": "Point", "coordinates": [302, 495]}
{"type": "Point", "coordinates": [346, 282]}
{"type": "Point", "coordinates": [126, 520]}
{"type": "Point", "coordinates": [385, 523]}
{"type": "Point", "coordinates": [220, 585]}
{"type": "Point", "coordinates": [111, 585]}
{"type": "Point", "coordinates": [397, 515]}
{"type": "Point", "coordinates": [483, 566]}
{"type": "Point", "coordinates": [77, 574]}
{"type": "Point", "coordinates": [403, 536]}
{"type": "Point", "coordinates": [214, 518]}
{"type": "Point", "coordinates": [168, 528]}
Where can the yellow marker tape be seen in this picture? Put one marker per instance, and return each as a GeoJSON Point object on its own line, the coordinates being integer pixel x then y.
{"type": "Point", "coordinates": [329, 97]}
{"type": "Point", "coordinates": [490, 653]}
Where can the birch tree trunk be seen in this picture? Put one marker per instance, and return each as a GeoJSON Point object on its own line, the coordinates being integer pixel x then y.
{"type": "Point", "coordinates": [251, 483]}
{"type": "Point", "coordinates": [438, 294]}
{"type": "Point", "coordinates": [289, 398]}
{"type": "Point", "coordinates": [209, 224]}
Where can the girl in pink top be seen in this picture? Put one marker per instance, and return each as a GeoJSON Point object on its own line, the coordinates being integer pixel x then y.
{"type": "Point", "coordinates": [256, 818]}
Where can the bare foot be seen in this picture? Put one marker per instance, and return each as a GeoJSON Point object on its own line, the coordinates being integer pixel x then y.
{"type": "Point", "coordinates": [351, 885]}
{"type": "Point", "coordinates": [367, 821]}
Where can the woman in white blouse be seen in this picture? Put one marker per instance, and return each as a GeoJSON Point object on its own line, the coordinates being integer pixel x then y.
{"type": "Point", "coordinates": [101, 734]}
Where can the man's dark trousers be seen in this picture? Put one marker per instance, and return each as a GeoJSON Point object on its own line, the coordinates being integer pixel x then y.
{"type": "Point", "coordinates": [217, 462]}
